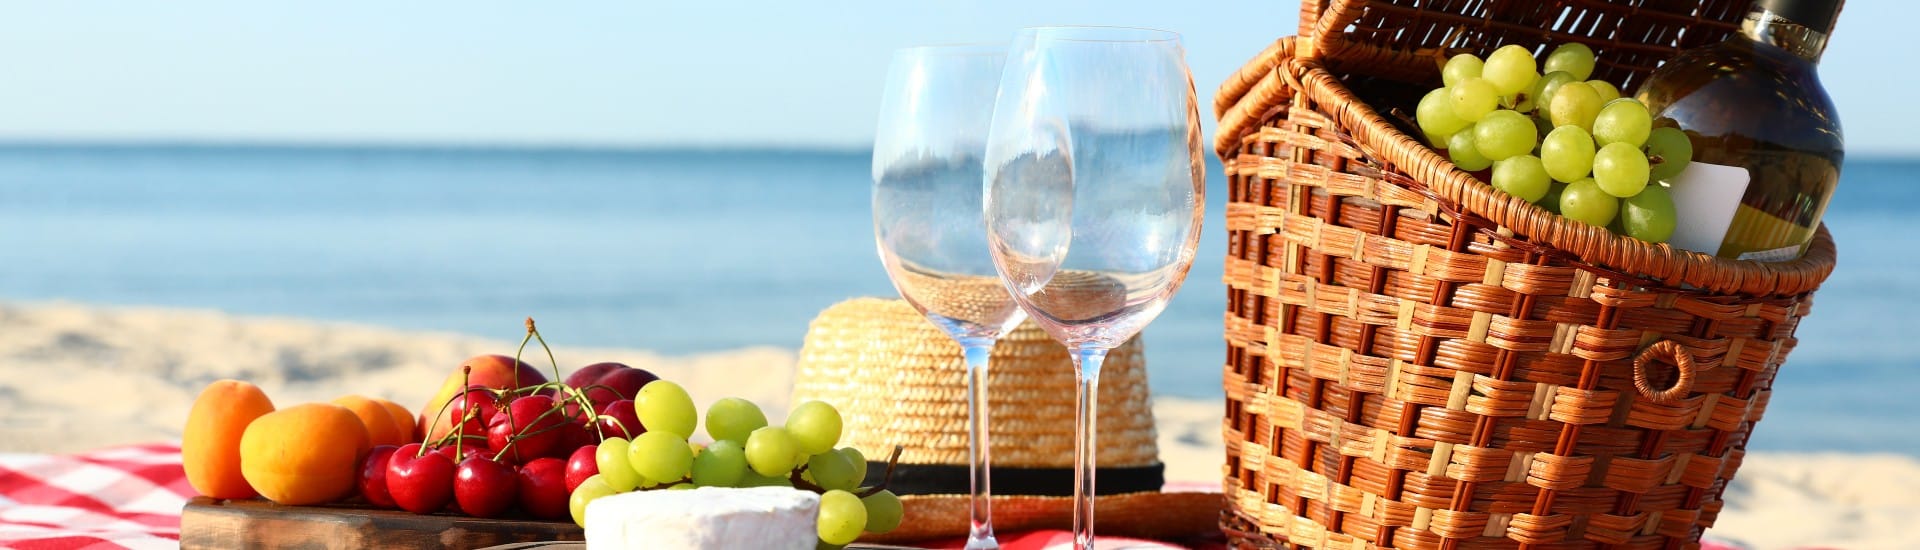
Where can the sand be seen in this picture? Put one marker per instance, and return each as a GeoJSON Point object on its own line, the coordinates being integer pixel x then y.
{"type": "Point", "coordinates": [75, 377]}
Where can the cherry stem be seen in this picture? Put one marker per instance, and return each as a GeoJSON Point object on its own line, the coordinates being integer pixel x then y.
{"type": "Point", "coordinates": [566, 394]}
{"type": "Point", "coordinates": [515, 438]}
{"type": "Point", "coordinates": [466, 372]}
{"type": "Point", "coordinates": [466, 382]}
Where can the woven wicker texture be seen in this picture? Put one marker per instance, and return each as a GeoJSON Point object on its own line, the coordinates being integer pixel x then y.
{"type": "Point", "coordinates": [898, 380]}
{"type": "Point", "coordinates": [1416, 360]}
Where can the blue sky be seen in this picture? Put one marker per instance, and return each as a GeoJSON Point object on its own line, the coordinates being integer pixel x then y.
{"type": "Point", "coordinates": [633, 73]}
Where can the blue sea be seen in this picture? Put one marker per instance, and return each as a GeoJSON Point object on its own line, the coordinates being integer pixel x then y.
{"type": "Point", "coordinates": [691, 251]}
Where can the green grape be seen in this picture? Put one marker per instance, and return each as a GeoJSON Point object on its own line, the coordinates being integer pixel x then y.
{"type": "Point", "coordinates": [815, 426]}
{"type": "Point", "coordinates": [1460, 67]}
{"type": "Point", "coordinates": [1522, 176]}
{"type": "Point", "coordinates": [682, 487]}
{"type": "Point", "coordinates": [1572, 106]}
{"type": "Point", "coordinates": [1435, 114]}
{"type": "Point", "coordinates": [754, 479]}
{"type": "Point", "coordinates": [722, 464]}
{"type": "Point", "coordinates": [1623, 120]}
{"type": "Point", "coordinates": [1510, 69]}
{"type": "Point", "coordinates": [1551, 201]}
{"type": "Point", "coordinates": [883, 511]}
{"type": "Point", "coordinates": [1523, 102]}
{"type": "Point", "coordinates": [1461, 150]}
{"type": "Point", "coordinates": [1605, 90]}
{"type": "Point", "coordinates": [831, 470]}
{"type": "Point", "coordinates": [1648, 216]}
{"type": "Point", "coordinates": [1573, 57]}
{"type": "Point", "coordinates": [859, 461]}
{"type": "Point", "coordinates": [1544, 88]}
{"type": "Point", "coordinates": [1472, 98]}
{"type": "Point", "coordinates": [842, 517]}
{"type": "Point", "coordinates": [1567, 153]}
{"type": "Point", "coordinates": [611, 458]}
{"type": "Point", "coordinates": [1674, 150]}
{"type": "Point", "coordinates": [771, 450]}
{"type": "Point", "coordinates": [664, 406]}
{"type": "Point", "coordinates": [733, 418]}
{"type": "Point", "coordinates": [1583, 201]}
{"type": "Point", "coordinates": [660, 457]}
{"type": "Point", "coordinates": [1504, 134]}
{"type": "Point", "coordinates": [1620, 169]}
{"type": "Point", "coordinates": [592, 488]}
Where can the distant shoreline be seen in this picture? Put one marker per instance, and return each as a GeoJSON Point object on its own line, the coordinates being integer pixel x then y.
{"type": "Point", "coordinates": [430, 147]}
{"type": "Point", "coordinates": [661, 149]}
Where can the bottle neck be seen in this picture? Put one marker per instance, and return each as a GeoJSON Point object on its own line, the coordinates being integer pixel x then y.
{"type": "Point", "coordinates": [1774, 28]}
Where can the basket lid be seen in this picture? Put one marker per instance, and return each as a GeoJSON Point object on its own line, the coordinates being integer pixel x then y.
{"type": "Point", "coordinates": [1630, 36]}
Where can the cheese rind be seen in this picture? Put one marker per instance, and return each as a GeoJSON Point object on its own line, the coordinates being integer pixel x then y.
{"type": "Point", "coordinates": [774, 518]}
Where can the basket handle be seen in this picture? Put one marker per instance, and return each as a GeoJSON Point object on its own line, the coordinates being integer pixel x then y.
{"type": "Point", "coordinates": [1323, 29]}
{"type": "Point", "coordinates": [1683, 363]}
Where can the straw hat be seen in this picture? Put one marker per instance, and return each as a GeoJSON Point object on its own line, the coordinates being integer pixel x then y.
{"type": "Point", "coordinates": [898, 380]}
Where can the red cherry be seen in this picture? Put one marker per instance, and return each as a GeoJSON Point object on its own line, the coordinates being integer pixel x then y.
{"type": "Point", "coordinates": [484, 488]}
{"type": "Point", "coordinates": [574, 436]}
{"type": "Point", "coordinates": [372, 477]}
{"type": "Point", "coordinates": [420, 484]}
{"type": "Point", "coordinates": [581, 465]}
{"type": "Point", "coordinates": [476, 405]}
{"type": "Point", "coordinates": [543, 488]}
{"type": "Point", "coordinates": [467, 450]}
{"type": "Point", "coordinates": [618, 419]}
{"type": "Point", "coordinates": [522, 423]}
{"type": "Point", "coordinates": [478, 399]}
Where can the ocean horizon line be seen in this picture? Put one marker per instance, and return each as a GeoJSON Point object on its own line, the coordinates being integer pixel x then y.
{"type": "Point", "coordinates": [426, 147]}
{"type": "Point", "coordinates": [456, 147]}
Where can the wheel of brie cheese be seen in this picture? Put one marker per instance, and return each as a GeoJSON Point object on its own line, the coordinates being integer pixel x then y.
{"type": "Point", "coordinates": [773, 518]}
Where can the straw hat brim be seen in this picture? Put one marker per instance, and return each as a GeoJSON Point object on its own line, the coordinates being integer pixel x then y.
{"type": "Point", "coordinates": [1147, 515]}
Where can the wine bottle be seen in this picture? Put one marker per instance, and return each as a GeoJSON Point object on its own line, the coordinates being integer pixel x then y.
{"type": "Point", "coordinates": [1758, 118]}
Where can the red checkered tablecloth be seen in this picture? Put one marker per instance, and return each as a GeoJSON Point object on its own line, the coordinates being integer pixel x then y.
{"type": "Point", "coordinates": [130, 497]}
{"type": "Point", "coordinates": [123, 497]}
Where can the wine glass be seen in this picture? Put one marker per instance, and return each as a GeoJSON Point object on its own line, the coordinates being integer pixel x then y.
{"type": "Point", "coordinates": [928, 224]}
{"type": "Point", "coordinates": [1094, 193]}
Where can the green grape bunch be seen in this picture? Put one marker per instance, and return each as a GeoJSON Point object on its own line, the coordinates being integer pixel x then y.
{"type": "Point", "coordinates": [746, 452]}
{"type": "Point", "coordinates": [1549, 133]}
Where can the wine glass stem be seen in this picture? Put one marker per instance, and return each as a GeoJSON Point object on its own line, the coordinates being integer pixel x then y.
{"type": "Point", "coordinates": [979, 452]}
{"type": "Point", "coordinates": [1086, 397]}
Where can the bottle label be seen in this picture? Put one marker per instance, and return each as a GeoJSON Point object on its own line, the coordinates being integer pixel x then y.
{"type": "Point", "coordinates": [1781, 254]}
{"type": "Point", "coordinates": [1705, 197]}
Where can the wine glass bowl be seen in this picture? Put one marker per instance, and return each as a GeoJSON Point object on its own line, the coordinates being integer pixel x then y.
{"type": "Point", "coordinates": [1093, 194]}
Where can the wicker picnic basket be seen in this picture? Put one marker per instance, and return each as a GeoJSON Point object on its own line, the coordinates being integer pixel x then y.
{"type": "Point", "coordinates": [1416, 360]}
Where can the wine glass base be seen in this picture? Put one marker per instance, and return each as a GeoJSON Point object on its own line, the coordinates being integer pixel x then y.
{"type": "Point", "coordinates": [983, 544]}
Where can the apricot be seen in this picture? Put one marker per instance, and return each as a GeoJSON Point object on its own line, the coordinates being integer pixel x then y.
{"type": "Point", "coordinates": [210, 443]}
{"type": "Point", "coordinates": [305, 454]}
{"type": "Point", "coordinates": [377, 419]}
{"type": "Point", "coordinates": [403, 422]}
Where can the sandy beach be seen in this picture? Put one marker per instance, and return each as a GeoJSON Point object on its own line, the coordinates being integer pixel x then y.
{"type": "Point", "coordinates": [75, 377]}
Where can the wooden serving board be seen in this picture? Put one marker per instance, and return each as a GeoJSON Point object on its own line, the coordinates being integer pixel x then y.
{"type": "Point", "coordinates": [208, 523]}
{"type": "Point", "coordinates": [211, 523]}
